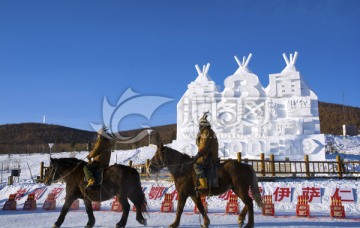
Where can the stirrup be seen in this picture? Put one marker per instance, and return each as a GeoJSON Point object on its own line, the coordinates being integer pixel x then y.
{"type": "Point", "coordinates": [90, 184]}
{"type": "Point", "coordinates": [91, 187]}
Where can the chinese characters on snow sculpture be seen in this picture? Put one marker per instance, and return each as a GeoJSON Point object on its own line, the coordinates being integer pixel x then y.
{"type": "Point", "coordinates": [281, 119]}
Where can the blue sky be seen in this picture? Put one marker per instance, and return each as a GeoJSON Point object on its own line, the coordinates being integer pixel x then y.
{"type": "Point", "coordinates": [61, 58]}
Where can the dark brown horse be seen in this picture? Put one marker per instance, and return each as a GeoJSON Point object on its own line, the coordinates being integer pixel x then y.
{"type": "Point", "coordinates": [118, 180]}
{"type": "Point", "coordinates": [232, 175]}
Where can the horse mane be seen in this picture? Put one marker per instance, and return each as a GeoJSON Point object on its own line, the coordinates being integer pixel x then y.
{"type": "Point", "coordinates": [68, 162]}
{"type": "Point", "coordinates": [182, 163]}
{"type": "Point", "coordinates": [186, 156]}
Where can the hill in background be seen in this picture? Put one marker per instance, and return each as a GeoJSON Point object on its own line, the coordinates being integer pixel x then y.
{"type": "Point", "coordinates": [333, 116]}
{"type": "Point", "coordinates": [34, 137]}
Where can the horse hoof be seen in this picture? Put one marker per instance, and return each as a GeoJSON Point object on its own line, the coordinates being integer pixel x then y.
{"type": "Point", "coordinates": [142, 221]}
{"type": "Point", "coordinates": [241, 221]}
{"type": "Point", "coordinates": [55, 226]}
{"type": "Point", "coordinates": [88, 226]}
{"type": "Point", "coordinates": [119, 225]}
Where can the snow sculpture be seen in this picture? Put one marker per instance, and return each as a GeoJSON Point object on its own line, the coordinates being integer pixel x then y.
{"type": "Point", "coordinates": [282, 119]}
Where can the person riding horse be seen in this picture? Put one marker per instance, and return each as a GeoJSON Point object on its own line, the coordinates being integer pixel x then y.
{"type": "Point", "coordinates": [208, 147]}
{"type": "Point", "coordinates": [101, 157]}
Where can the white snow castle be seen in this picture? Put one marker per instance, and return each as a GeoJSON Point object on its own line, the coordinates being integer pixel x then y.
{"type": "Point", "coordinates": [282, 119]}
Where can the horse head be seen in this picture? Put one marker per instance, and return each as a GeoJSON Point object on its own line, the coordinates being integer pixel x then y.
{"type": "Point", "coordinates": [158, 161]}
{"type": "Point", "coordinates": [51, 173]}
{"type": "Point", "coordinates": [170, 158]}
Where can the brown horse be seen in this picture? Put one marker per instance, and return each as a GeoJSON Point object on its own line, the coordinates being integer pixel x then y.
{"type": "Point", "coordinates": [232, 175]}
{"type": "Point", "coordinates": [118, 180]}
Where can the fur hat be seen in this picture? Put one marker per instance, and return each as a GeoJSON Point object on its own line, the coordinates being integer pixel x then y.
{"type": "Point", "coordinates": [103, 131]}
{"type": "Point", "coordinates": [203, 122]}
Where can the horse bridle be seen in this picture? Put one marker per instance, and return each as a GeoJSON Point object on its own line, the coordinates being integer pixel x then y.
{"type": "Point", "coordinates": [62, 177]}
{"type": "Point", "coordinates": [51, 179]}
{"type": "Point", "coordinates": [163, 161]}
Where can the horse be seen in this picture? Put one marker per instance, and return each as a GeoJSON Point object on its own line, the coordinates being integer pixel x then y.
{"type": "Point", "coordinates": [118, 180]}
{"type": "Point", "coordinates": [231, 175]}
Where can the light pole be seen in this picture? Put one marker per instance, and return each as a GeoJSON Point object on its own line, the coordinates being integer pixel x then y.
{"type": "Point", "coordinates": [149, 132]}
{"type": "Point", "coordinates": [51, 145]}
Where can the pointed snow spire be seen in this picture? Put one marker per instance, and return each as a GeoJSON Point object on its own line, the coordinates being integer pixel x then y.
{"type": "Point", "coordinates": [203, 74]}
{"type": "Point", "coordinates": [243, 66]}
{"type": "Point", "coordinates": [290, 63]}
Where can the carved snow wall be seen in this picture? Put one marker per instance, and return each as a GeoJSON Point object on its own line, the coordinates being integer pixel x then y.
{"type": "Point", "coordinates": [281, 119]}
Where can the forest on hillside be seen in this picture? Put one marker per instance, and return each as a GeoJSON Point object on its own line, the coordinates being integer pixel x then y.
{"type": "Point", "coordinates": [34, 137]}
{"type": "Point", "coordinates": [333, 116]}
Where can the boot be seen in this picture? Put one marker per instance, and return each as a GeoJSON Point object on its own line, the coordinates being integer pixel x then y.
{"type": "Point", "coordinates": [90, 183]}
{"type": "Point", "coordinates": [203, 184]}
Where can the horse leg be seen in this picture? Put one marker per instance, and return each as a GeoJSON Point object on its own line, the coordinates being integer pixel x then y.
{"type": "Point", "coordinates": [90, 213]}
{"type": "Point", "coordinates": [64, 211]}
{"type": "Point", "coordinates": [138, 202]}
{"type": "Point", "coordinates": [249, 207]}
{"type": "Point", "coordinates": [243, 212]}
{"type": "Point", "coordinates": [179, 210]}
{"type": "Point", "coordinates": [242, 216]}
{"type": "Point", "coordinates": [200, 206]}
{"type": "Point", "coordinates": [126, 209]}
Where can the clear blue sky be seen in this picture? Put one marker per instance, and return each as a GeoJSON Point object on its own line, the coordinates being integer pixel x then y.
{"type": "Point", "coordinates": [61, 58]}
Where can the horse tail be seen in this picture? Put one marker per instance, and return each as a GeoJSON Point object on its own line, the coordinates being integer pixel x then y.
{"type": "Point", "coordinates": [139, 194]}
{"type": "Point", "coordinates": [255, 189]}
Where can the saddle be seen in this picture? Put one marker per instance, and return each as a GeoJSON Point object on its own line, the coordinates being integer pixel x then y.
{"type": "Point", "coordinates": [212, 174]}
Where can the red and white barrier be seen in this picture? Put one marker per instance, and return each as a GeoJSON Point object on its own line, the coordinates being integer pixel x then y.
{"type": "Point", "coordinates": [50, 202]}
{"type": "Point", "coordinates": [30, 203]}
{"type": "Point", "coordinates": [302, 207]}
{"type": "Point", "coordinates": [142, 207]}
{"type": "Point", "coordinates": [10, 204]}
{"type": "Point", "coordinates": [203, 200]}
{"type": "Point", "coordinates": [268, 206]}
{"type": "Point", "coordinates": [116, 205]}
{"type": "Point", "coordinates": [167, 205]}
{"type": "Point", "coordinates": [96, 205]}
{"type": "Point", "coordinates": [75, 205]}
{"type": "Point", "coordinates": [232, 206]}
{"type": "Point", "coordinates": [336, 207]}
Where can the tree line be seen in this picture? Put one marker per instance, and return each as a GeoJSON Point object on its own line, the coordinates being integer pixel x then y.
{"type": "Point", "coordinates": [34, 137]}
{"type": "Point", "coordinates": [333, 116]}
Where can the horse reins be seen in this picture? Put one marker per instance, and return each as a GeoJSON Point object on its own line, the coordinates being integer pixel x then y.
{"type": "Point", "coordinates": [62, 177]}
{"type": "Point", "coordinates": [165, 163]}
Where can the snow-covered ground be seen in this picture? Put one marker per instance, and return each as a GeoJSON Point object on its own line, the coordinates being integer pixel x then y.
{"type": "Point", "coordinates": [284, 209]}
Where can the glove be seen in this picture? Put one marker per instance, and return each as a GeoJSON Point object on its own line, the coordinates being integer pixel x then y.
{"type": "Point", "coordinates": [197, 156]}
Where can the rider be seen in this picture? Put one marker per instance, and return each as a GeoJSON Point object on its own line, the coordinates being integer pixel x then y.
{"type": "Point", "coordinates": [100, 155]}
{"type": "Point", "coordinates": [208, 147]}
